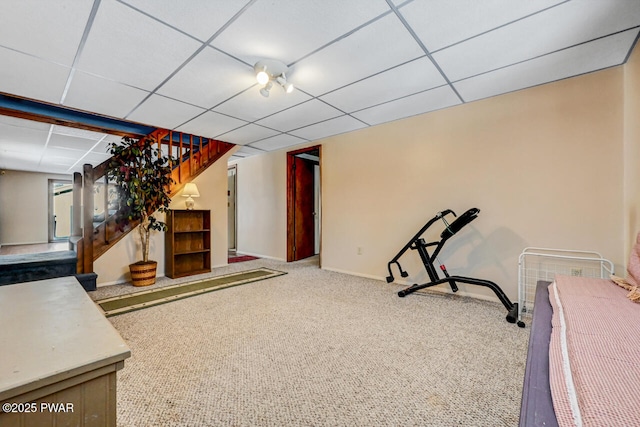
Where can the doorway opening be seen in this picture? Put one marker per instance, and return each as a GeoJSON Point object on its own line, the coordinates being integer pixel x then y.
{"type": "Point", "coordinates": [232, 213]}
{"type": "Point", "coordinates": [60, 210]}
{"type": "Point", "coordinates": [304, 203]}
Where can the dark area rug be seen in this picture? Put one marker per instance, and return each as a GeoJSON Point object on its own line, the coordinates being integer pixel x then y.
{"type": "Point", "coordinates": [241, 258]}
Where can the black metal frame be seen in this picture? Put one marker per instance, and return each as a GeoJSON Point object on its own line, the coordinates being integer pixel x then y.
{"type": "Point", "coordinates": [419, 244]}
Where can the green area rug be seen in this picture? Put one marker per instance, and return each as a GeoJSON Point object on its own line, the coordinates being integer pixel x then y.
{"type": "Point", "coordinates": [139, 300]}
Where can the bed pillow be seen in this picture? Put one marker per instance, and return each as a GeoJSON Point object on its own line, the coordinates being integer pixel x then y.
{"type": "Point", "coordinates": [634, 291]}
{"type": "Point", "coordinates": [633, 267]}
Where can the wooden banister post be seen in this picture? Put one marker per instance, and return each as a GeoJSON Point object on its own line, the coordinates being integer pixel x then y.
{"type": "Point", "coordinates": [77, 204]}
{"type": "Point", "coordinates": [87, 219]}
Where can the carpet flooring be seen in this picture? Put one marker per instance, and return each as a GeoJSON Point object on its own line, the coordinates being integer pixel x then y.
{"type": "Point", "coordinates": [319, 348]}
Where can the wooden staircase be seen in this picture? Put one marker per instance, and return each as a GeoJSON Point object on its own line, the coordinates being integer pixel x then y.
{"type": "Point", "coordinates": [192, 155]}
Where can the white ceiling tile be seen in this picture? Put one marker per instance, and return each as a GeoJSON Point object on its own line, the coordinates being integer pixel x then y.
{"type": "Point", "coordinates": [330, 127]}
{"type": "Point", "coordinates": [29, 77]}
{"type": "Point", "coordinates": [415, 76]}
{"type": "Point", "coordinates": [581, 59]}
{"type": "Point", "coordinates": [78, 133]}
{"type": "Point", "coordinates": [564, 26]}
{"type": "Point", "coordinates": [12, 131]}
{"type": "Point", "coordinates": [249, 151]}
{"type": "Point", "coordinates": [94, 158]}
{"type": "Point", "coordinates": [420, 103]}
{"type": "Point", "coordinates": [304, 114]}
{"type": "Point", "coordinates": [252, 106]}
{"type": "Point", "coordinates": [287, 32]}
{"type": "Point", "coordinates": [209, 79]}
{"type": "Point", "coordinates": [22, 123]}
{"type": "Point", "coordinates": [247, 134]}
{"type": "Point", "coordinates": [62, 155]}
{"type": "Point", "coordinates": [211, 125]}
{"type": "Point", "coordinates": [131, 48]}
{"type": "Point", "coordinates": [50, 30]}
{"type": "Point", "coordinates": [441, 23]}
{"type": "Point", "coordinates": [71, 142]}
{"type": "Point", "coordinates": [374, 48]}
{"type": "Point", "coordinates": [164, 112]}
{"type": "Point", "coordinates": [277, 142]}
{"type": "Point", "coordinates": [107, 97]}
{"type": "Point", "coordinates": [19, 159]}
{"type": "Point", "coordinates": [198, 18]}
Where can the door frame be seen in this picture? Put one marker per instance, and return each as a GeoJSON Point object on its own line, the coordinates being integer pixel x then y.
{"type": "Point", "coordinates": [291, 200]}
{"type": "Point", "coordinates": [233, 167]}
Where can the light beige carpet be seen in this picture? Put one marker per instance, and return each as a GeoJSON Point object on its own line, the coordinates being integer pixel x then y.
{"type": "Point", "coordinates": [317, 348]}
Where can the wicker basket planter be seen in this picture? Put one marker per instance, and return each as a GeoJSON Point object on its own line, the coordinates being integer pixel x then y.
{"type": "Point", "coordinates": [143, 273]}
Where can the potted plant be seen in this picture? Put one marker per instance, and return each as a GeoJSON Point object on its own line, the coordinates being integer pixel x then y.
{"type": "Point", "coordinates": [142, 178]}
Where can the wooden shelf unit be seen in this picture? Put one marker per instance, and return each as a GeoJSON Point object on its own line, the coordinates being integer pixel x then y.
{"type": "Point", "coordinates": [187, 243]}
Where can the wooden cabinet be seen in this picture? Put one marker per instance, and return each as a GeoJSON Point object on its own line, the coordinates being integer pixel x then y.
{"type": "Point", "coordinates": [187, 243]}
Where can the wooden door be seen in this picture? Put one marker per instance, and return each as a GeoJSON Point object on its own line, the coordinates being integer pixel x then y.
{"type": "Point", "coordinates": [301, 202]}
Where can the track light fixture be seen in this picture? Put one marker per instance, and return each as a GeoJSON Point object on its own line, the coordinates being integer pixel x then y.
{"type": "Point", "coordinates": [269, 71]}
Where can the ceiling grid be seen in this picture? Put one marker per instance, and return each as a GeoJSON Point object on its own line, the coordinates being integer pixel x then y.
{"type": "Point", "coordinates": [188, 66]}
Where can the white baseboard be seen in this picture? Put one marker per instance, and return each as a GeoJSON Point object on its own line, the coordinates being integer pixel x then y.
{"type": "Point", "coordinates": [407, 284]}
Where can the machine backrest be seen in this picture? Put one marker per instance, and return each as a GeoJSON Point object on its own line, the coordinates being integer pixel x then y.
{"type": "Point", "coordinates": [459, 223]}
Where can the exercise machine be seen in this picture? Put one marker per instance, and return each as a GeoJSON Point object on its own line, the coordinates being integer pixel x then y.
{"type": "Point", "coordinates": [418, 243]}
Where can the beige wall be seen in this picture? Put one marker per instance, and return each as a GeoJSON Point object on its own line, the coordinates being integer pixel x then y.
{"type": "Point", "coordinates": [632, 149]}
{"type": "Point", "coordinates": [544, 165]}
{"type": "Point", "coordinates": [113, 266]}
{"type": "Point", "coordinates": [24, 206]}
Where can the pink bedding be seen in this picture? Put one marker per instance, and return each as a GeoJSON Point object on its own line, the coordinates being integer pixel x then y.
{"type": "Point", "coordinates": [594, 353]}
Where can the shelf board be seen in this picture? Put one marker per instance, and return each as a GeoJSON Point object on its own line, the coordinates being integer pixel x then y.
{"type": "Point", "coordinates": [195, 251]}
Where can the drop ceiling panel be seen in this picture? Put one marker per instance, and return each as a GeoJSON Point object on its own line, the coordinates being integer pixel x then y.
{"type": "Point", "coordinates": [107, 97]}
{"type": "Point", "coordinates": [375, 48]}
{"type": "Point", "coordinates": [581, 59]}
{"type": "Point", "coordinates": [209, 79]}
{"type": "Point", "coordinates": [71, 142]}
{"type": "Point", "coordinates": [564, 26]}
{"type": "Point", "coordinates": [246, 150]}
{"type": "Point", "coordinates": [77, 133]}
{"type": "Point", "coordinates": [277, 142]}
{"type": "Point", "coordinates": [329, 127]}
{"type": "Point", "coordinates": [424, 102]}
{"type": "Point", "coordinates": [131, 48]}
{"type": "Point", "coordinates": [211, 125]}
{"type": "Point", "coordinates": [30, 77]}
{"type": "Point", "coordinates": [304, 114]}
{"type": "Point", "coordinates": [442, 23]}
{"type": "Point", "coordinates": [248, 134]}
{"type": "Point", "coordinates": [37, 22]}
{"type": "Point", "coordinates": [252, 106]}
{"type": "Point", "coordinates": [287, 32]}
{"type": "Point", "coordinates": [13, 132]}
{"type": "Point", "coordinates": [62, 156]}
{"type": "Point", "coordinates": [403, 80]}
{"type": "Point", "coordinates": [94, 158]}
{"type": "Point", "coordinates": [19, 159]}
{"type": "Point", "coordinates": [164, 112]}
{"type": "Point", "coordinates": [200, 19]}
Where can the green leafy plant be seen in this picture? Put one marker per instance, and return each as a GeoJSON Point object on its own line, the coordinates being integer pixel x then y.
{"type": "Point", "coordinates": [142, 176]}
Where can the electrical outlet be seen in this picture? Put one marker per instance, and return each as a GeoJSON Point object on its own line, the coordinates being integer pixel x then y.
{"type": "Point", "coordinates": [576, 271]}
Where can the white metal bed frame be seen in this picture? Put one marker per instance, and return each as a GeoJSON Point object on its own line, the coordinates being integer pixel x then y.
{"type": "Point", "coordinates": [535, 264]}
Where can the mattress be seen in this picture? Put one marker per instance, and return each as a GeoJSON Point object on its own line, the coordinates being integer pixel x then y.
{"type": "Point", "coordinates": [594, 353]}
{"type": "Point", "coordinates": [582, 362]}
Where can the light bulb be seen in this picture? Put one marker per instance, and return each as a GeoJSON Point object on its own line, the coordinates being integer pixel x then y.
{"type": "Point", "coordinates": [288, 88]}
{"type": "Point", "coordinates": [262, 77]}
